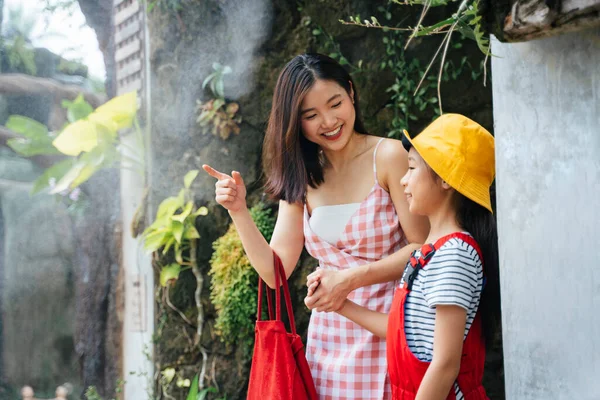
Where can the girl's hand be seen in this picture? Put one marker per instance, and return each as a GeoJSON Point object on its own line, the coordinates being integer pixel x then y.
{"type": "Point", "coordinates": [230, 191]}
{"type": "Point", "coordinates": [332, 289]}
{"type": "Point", "coordinates": [312, 282]}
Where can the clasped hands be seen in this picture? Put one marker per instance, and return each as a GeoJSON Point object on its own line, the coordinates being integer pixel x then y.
{"type": "Point", "coordinates": [327, 290]}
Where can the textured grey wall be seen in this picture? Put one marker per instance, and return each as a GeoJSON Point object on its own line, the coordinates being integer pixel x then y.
{"type": "Point", "coordinates": [547, 127]}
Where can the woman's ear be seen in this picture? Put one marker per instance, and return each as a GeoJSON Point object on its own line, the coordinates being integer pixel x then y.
{"type": "Point", "coordinates": [445, 185]}
{"type": "Point", "coordinates": [351, 92]}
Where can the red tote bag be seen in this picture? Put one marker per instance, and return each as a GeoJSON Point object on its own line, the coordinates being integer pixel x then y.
{"type": "Point", "coordinates": [279, 368]}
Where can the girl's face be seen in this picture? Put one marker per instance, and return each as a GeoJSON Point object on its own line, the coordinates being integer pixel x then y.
{"type": "Point", "coordinates": [327, 115]}
{"type": "Point", "coordinates": [424, 190]}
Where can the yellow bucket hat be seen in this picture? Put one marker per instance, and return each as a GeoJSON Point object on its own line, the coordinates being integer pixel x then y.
{"type": "Point", "coordinates": [461, 152]}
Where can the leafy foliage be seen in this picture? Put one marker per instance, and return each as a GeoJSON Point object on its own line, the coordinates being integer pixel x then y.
{"type": "Point", "coordinates": [466, 20]}
{"type": "Point", "coordinates": [217, 111]}
{"type": "Point", "coordinates": [234, 282]}
{"type": "Point", "coordinates": [90, 140]}
{"type": "Point", "coordinates": [173, 228]}
{"type": "Point", "coordinates": [20, 57]}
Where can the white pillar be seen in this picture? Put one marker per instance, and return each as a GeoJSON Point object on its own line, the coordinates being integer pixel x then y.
{"type": "Point", "coordinates": [547, 128]}
{"type": "Point", "coordinates": [138, 323]}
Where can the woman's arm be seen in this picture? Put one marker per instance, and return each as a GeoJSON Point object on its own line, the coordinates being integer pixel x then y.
{"type": "Point", "coordinates": [450, 322]}
{"type": "Point", "coordinates": [288, 237]}
{"type": "Point", "coordinates": [328, 289]}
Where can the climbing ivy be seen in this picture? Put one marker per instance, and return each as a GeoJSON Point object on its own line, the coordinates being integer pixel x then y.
{"type": "Point", "coordinates": [412, 95]}
{"type": "Point", "coordinates": [466, 20]}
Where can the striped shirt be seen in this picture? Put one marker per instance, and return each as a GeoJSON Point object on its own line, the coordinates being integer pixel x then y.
{"type": "Point", "coordinates": [453, 276]}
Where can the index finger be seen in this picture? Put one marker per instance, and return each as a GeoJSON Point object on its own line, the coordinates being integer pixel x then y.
{"type": "Point", "coordinates": [214, 173]}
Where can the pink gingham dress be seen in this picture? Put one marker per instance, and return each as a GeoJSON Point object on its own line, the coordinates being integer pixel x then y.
{"type": "Point", "coordinates": [348, 362]}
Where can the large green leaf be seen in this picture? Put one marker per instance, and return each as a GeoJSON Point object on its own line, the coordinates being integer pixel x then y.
{"type": "Point", "coordinates": [77, 109]}
{"type": "Point", "coordinates": [155, 240]}
{"type": "Point", "coordinates": [169, 273]}
{"type": "Point", "coordinates": [177, 229]}
{"type": "Point", "coordinates": [84, 168]}
{"type": "Point", "coordinates": [56, 172]}
{"type": "Point", "coordinates": [28, 147]}
{"type": "Point", "coordinates": [168, 207]}
{"type": "Point", "coordinates": [35, 137]}
{"type": "Point", "coordinates": [27, 127]}
{"type": "Point", "coordinates": [80, 136]}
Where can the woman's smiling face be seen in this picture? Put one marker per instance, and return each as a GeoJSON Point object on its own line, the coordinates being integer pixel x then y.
{"type": "Point", "coordinates": [327, 115]}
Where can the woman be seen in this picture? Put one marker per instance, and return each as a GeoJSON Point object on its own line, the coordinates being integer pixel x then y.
{"type": "Point", "coordinates": [340, 196]}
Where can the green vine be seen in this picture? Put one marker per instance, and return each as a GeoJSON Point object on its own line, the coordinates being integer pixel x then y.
{"type": "Point", "coordinates": [332, 47]}
{"type": "Point", "coordinates": [466, 20]}
{"type": "Point", "coordinates": [412, 94]}
{"type": "Point", "coordinates": [235, 283]}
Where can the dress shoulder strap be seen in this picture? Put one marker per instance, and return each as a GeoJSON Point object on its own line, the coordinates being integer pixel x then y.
{"type": "Point", "coordinates": [375, 159]}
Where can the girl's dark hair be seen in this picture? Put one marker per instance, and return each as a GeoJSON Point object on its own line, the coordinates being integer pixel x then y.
{"type": "Point", "coordinates": [290, 161]}
{"type": "Point", "coordinates": [481, 224]}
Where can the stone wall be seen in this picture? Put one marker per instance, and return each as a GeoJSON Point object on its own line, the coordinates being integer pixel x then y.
{"type": "Point", "coordinates": [547, 114]}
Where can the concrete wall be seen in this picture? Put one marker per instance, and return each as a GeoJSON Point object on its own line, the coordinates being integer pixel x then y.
{"type": "Point", "coordinates": [547, 126]}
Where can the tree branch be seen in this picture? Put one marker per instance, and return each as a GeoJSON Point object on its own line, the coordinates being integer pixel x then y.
{"type": "Point", "coordinates": [15, 84]}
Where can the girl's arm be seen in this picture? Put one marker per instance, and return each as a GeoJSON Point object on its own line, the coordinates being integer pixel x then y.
{"type": "Point", "coordinates": [373, 321]}
{"type": "Point", "coordinates": [392, 162]}
{"type": "Point", "coordinates": [288, 237]}
{"type": "Point", "coordinates": [450, 322]}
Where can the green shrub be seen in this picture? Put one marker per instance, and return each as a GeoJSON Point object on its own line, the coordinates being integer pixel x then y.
{"type": "Point", "coordinates": [235, 283]}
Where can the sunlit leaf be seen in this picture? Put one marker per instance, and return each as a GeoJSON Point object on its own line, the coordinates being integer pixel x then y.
{"type": "Point", "coordinates": [121, 109]}
{"type": "Point", "coordinates": [170, 242]}
{"type": "Point", "coordinates": [177, 229]}
{"type": "Point", "coordinates": [189, 178]}
{"type": "Point", "coordinates": [155, 240]}
{"type": "Point", "coordinates": [77, 109]}
{"type": "Point", "coordinates": [168, 207]}
{"type": "Point", "coordinates": [80, 136]}
{"type": "Point", "coordinates": [185, 213]}
{"type": "Point", "coordinates": [83, 169]}
{"type": "Point", "coordinates": [169, 273]}
{"type": "Point", "coordinates": [27, 127]}
{"type": "Point", "coordinates": [34, 137]}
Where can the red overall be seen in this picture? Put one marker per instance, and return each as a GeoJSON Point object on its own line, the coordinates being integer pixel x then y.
{"type": "Point", "coordinates": [406, 371]}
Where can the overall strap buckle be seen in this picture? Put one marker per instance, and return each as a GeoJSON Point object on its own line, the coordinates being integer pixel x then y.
{"type": "Point", "coordinates": [414, 265]}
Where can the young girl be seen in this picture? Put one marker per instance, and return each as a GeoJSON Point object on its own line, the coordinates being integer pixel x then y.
{"type": "Point", "coordinates": [340, 197]}
{"type": "Point", "coordinates": [448, 294]}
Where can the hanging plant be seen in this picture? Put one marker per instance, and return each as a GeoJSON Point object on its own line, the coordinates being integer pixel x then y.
{"type": "Point", "coordinates": [217, 115]}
